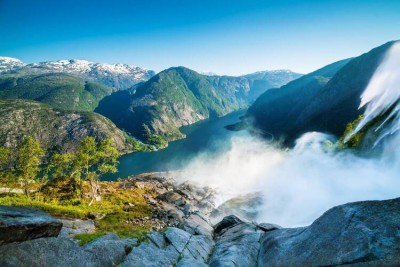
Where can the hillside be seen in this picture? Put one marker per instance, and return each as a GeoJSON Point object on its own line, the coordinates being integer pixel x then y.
{"type": "Point", "coordinates": [337, 103]}
{"type": "Point", "coordinates": [116, 76]}
{"type": "Point", "coordinates": [325, 100]}
{"type": "Point", "coordinates": [56, 130]}
{"type": "Point", "coordinates": [57, 90]}
{"type": "Point", "coordinates": [174, 98]}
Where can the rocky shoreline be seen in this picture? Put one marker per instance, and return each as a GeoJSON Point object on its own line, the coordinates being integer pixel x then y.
{"type": "Point", "coordinates": [355, 234]}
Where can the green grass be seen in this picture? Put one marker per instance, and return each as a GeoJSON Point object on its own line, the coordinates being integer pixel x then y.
{"type": "Point", "coordinates": [356, 139]}
{"type": "Point", "coordinates": [51, 207]}
{"type": "Point", "coordinates": [366, 137]}
{"type": "Point", "coordinates": [116, 205]}
{"type": "Point", "coordinates": [88, 237]}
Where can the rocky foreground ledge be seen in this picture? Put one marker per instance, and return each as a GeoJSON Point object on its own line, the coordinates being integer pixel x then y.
{"type": "Point", "coordinates": [355, 234]}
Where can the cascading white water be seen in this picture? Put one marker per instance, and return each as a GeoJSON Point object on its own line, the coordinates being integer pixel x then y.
{"type": "Point", "coordinates": [382, 92]}
{"type": "Point", "coordinates": [299, 184]}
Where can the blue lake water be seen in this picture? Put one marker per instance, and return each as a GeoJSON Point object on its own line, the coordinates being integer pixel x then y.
{"type": "Point", "coordinates": [207, 136]}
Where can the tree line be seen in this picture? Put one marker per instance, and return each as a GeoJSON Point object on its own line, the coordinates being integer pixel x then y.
{"type": "Point", "coordinates": [23, 165]}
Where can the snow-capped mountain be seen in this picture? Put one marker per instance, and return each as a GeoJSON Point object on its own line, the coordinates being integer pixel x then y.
{"type": "Point", "coordinates": [9, 63]}
{"type": "Point", "coordinates": [117, 76]}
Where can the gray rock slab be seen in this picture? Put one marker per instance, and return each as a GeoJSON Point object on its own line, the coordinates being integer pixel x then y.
{"type": "Point", "coordinates": [358, 234]}
{"type": "Point", "coordinates": [186, 262]}
{"type": "Point", "coordinates": [178, 238]}
{"type": "Point", "coordinates": [147, 255]}
{"type": "Point", "coordinates": [23, 223]}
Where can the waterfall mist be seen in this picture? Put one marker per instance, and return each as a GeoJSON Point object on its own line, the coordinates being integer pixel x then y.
{"type": "Point", "coordinates": [299, 184]}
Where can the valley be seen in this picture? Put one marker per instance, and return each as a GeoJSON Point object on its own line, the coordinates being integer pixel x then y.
{"type": "Point", "coordinates": [178, 168]}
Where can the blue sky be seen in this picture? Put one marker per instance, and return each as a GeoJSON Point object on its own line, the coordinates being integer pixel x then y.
{"type": "Point", "coordinates": [222, 36]}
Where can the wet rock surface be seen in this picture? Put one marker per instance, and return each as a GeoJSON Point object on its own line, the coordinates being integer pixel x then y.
{"type": "Point", "coordinates": [22, 223]}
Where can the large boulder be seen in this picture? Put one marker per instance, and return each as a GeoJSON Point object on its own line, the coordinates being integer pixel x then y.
{"type": "Point", "coordinates": [106, 251]}
{"type": "Point", "coordinates": [22, 223]}
{"type": "Point", "coordinates": [358, 234]}
{"type": "Point", "coordinates": [226, 223]}
{"type": "Point", "coordinates": [238, 243]}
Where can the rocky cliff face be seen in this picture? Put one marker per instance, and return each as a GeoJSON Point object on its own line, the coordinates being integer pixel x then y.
{"type": "Point", "coordinates": [56, 130]}
{"type": "Point", "coordinates": [355, 234]}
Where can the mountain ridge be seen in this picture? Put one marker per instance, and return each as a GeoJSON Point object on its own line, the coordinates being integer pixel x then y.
{"type": "Point", "coordinates": [118, 76]}
{"type": "Point", "coordinates": [176, 97]}
{"type": "Point", "coordinates": [325, 104]}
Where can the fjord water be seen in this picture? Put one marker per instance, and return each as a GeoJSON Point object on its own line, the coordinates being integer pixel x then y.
{"type": "Point", "coordinates": [207, 136]}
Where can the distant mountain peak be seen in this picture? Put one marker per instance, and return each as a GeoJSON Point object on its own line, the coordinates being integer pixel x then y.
{"type": "Point", "coordinates": [79, 65]}
{"type": "Point", "coordinates": [10, 63]}
{"type": "Point", "coordinates": [10, 59]}
{"type": "Point", "coordinates": [118, 76]}
{"type": "Point", "coordinates": [278, 71]}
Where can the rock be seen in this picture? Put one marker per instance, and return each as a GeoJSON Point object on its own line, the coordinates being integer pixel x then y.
{"type": "Point", "coordinates": [22, 223]}
{"type": "Point", "coordinates": [62, 251]}
{"type": "Point", "coordinates": [199, 247]}
{"type": "Point", "coordinates": [195, 224]}
{"type": "Point", "coordinates": [357, 234]}
{"type": "Point", "coordinates": [227, 222]}
{"type": "Point", "coordinates": [268, 226]}
{"type": "Point", "coordinates": [206, 207]}
{"type": "Point", "coordinates": [109, 250]}
{"type": "Point", "coordinates": [189, 209]}
{"type": "Point", "coordinates": [188, 262]}
{"type": "Point", "coordinates": [157, 239]}
{"type": "Point", "coordinates": [76, 226]}
{"type": "Point", "coordinates": [178, 238]}
{"type": "Point", "coordinates": [172, 254]}
{"type": "Point", "coordinates": [237, 244]}
{"type": "Point", "coordinates": [173, 198]}
{"type": "Point", "coordinates": [39, 252]}
{"type": "Point", "coordinates": [147, 255]}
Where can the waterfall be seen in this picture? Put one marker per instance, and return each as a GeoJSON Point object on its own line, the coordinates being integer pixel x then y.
{"type": "Point", "coordinates": [382, 92]}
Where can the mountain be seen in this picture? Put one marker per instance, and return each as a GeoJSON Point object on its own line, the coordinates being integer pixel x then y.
{"type": "Point", "coordinates": [341, 97]}
{"type": "Point", "coordinates": [116, 76]}
{"type": "Point", "coordinates": [276, 107]}
{"type": "Point", "coordinates": [9, 64]}
{"type": "Point", "coordinates": [325, 100]}
{"type": "Point", "coordinates": [175, 97]}
{"type": "Point", "coordinates": [56, 130]}
{"type": "Point", "coordinates": [55, 89]}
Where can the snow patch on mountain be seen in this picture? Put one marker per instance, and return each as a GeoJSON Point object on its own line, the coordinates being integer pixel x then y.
{"type": "Point", "coordinates": [118, 76]}
{"type": "Point", "coordinates": [9, 63]}
{"type": "Point", "coordinates": [92, 68]}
